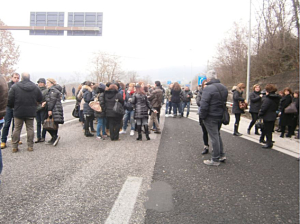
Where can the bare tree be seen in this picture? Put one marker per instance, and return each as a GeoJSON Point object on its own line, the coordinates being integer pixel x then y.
{"type": "Point", "coordinates": [9, 52]}
{"type": "Point", "coordinates": [105, 67]}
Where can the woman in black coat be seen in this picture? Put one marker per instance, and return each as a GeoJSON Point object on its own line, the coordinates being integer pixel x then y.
{"type": "Point", "coordinates": [142, 106]}
{"type": "Point", "coordinates": [268, 113]}
{"type": "Point", "coordinates": [88, 112]}
{"type": "Point", "coordinates": [255, 104]}
{"type": "Point", "coordinates": [237, 96]}
{"type": "Point", "coordinates": [114, 119]}
{"type": "Point", "coordinates": [101, 118]}
{"type": "Point", "coordinates": [286, 119]}
{"type": "Point", "coordinates": [176, 98]}
{"type": "Point", "coordinates": [54, 108]}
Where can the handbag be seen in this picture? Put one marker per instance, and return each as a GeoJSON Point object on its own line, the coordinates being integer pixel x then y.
{"type": "Point", "coordinates": [243, 105]}
{"type": "Point", "coordinates": [95, 105]}
{"type": "Point", "coordinates": [49, 124]}
{"type": "Point", "coordinates": [118, 108]}
{"type": "Point", "coordinates": [259, 124]}
{"type": "Point", "coordinates": [291, 109]}
{"type": "Point", "coordinates": [226, 116]}
{"type": "Point", "coordinates": [75, 112]}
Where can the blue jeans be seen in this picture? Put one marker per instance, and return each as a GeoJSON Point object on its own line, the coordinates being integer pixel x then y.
{"type": "Point", "coordinates": [167, 107]}
{"type": "Point", "coordinates": [40, 117]}
{"type": "Point", "coordinates": [8, 118]}
{"type": "Point", "coordinates": [213, 126]}
{"type": "Point", "coordinates": [129, 115]}
{"type": "Point", "coordinates": [186, 104]}
{"type": "Point", "coordinates": [1, 164]}
{"type": "Point", "coordinates": [175, 106]}
{"type": "Point", "coordinates": [101, 125]}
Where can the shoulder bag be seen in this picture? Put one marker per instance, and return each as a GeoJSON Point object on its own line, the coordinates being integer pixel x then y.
{"type": "Point", "coordinates": [291, 109]}
{"type": "Point", "coordinates": [226, 116]}
{"type": "Point", "coordinates": [49, 124]}
{"type": "Point", "coordinates": [118, 108]}
{"type": "Point", "coordinates": [243, 105]}
{"type": "Point", "coordinates": [95, 105]}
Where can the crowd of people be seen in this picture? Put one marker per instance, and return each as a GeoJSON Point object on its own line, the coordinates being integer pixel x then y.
{"type": "Point", "coordinates": [138, 106]}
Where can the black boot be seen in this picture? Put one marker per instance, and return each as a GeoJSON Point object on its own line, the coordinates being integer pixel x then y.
{"type": "Point", "coordinates": [256, 131]}
{"type": "Point", "coordinates": [139, 129]}
{"type": "Point", "coordinates": [147, 132]}
{"type": "Point", "coordinates": [88, 134]}
{"type": "Point", "coordinates": [236, 133]}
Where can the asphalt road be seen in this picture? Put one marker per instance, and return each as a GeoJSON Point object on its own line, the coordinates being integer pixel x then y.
{"type": "Point", "coordinates": [164, 180]}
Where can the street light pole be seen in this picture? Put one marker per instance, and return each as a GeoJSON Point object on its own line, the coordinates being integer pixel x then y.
{"type": "Point", "coordinates": [249, 57]}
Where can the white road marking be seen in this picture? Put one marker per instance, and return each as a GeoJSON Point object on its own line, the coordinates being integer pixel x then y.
{"type": "Point", "coordinates": [124, 205]}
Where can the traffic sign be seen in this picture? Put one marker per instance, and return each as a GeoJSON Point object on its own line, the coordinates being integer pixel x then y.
{"type": "Point", "coordinates": [179, 82]}
{"type": "Point", "coordinates": [201, 78]}
{"type": "Point", "coordinates": [85, 19]}
{"type": "Point", "coordinates": [47, 19]}
{"type": "Point", "coordinates": [169, 82]}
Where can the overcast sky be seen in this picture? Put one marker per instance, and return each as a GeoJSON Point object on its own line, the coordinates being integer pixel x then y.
{"type": "Point", "coordinates": [168, 40]}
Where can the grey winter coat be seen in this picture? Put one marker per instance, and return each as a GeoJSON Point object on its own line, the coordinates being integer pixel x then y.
{"type": "Point", "coordinates": [237, 96]}
{"type": "Point", "coordinates": [212, 103]}
{"type": "Point", "coordinates": [88, 97]}
{"type": "Point", "coordinates": [4, 96]}
{"type": "Point", "coordinates": [24, 97]}
{"type": "Point", "coordinates": [142, 105]}
{"type": "Point", "coordinates": [53, 102]}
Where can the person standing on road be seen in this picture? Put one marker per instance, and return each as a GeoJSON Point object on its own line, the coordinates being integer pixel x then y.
{"type": "Point", "coordinates": [268, 113]}
{"type": "Point", "coordinates": [9, 115]}
{"type": "Point", "coordinates": [41, 112]}
{"type": "Point", "coordinates": [156, 99]}
{"type": "Point", "coordinates": [24, 97]}
{"type": "Point", "coordinates": [54, 108]}
{"type": "Point", "coordinates": [204, 131]}
{"type": "Point", "coordinates": [255, 104]}
{"type": "Point", "coordinates": [64, 93]}
{"type": "Point", "coordinates": [176, 98]}
{"type": "Point", "coordinates": [111, 94]}
{"type": "Point", "coordinates": [3, 105]}
{"type": "Point", "coordinates": [87, 110]}
{"type": "Point", "coordinates": [286, 119]}
{"type": "Point", "coordinates": [129, 112]}
{"type": "Point", "coordinates": [73, 91]}
{"type": "Point", "coordinates": [101, 118]}
{"type": "Point", "coordinates": [213, 102]}
{"type": "Point", "coordinates": [142, 105]}
{"type": "Point", "coordinates": [168, 100]}
{"type": "Point", "coordinates": [186, 101]}
{"type": "Point", "coordinates": [237, 97]}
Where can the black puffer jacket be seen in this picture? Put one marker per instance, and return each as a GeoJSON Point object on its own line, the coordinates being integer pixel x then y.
{"type": "Point", "coordinates": [255, 102]}
{"type": "Point", "coordinates": [177, 96]}
{"type": "Point", "coordinates": [53, 103]}
{"type": "Point", "coordinates": [286, 119]}
{"type": "Point", "coordinates": [4, 95]}
{"type": "Point", "coordinates": [24, 97]}
{"type": "Point", "coordinates": [88, 97]}
{"type": "Point", "coordinates": [185, 95]}
{"type": "Point", "coordinates": [269, 107]}
{"type": "Point", "coordinates": [142, 105]}
{"type": "Point", "coordinates": [212, 104]}
{"type": "Point", "coordinates": [237, 96]}
{"type": "Point", "coordinates": [110, 97]}
{"type": "Point", "coordinates": [44, 91]}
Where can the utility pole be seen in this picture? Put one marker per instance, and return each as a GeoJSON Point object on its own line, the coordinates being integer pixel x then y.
{"type": "Point", "coordinates": [249, 57]}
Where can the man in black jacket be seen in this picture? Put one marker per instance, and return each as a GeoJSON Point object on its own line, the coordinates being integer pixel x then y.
{"type": "Point", "coordinates": [212, 103]}
{"type": "Point", "coordinates": [23, 97]}
{"type": "Point", "coordinates": [9, 113]}
{"type": "Point", "coordinates": [186, 101]}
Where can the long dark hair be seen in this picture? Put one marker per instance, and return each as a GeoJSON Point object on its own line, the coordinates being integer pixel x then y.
{"type": "Point", "coordinates": [140, 90]}
{"type": "Point", "coordinates": [176, 86]}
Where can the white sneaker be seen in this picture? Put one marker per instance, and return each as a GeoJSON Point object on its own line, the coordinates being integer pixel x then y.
{"type": "Point", "coordinates": [132, 133]}
{"type": "Point", "coordinates": [122, 132]}
{"type": "Point", "coordinates": [167, 115]}
{"type": "Point", "coordinates": [171, 115]}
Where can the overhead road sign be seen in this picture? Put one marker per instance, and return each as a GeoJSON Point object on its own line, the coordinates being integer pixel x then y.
{"type": "Point", "coordinates": [49, 28]}
{"type": "Point", "coordinates": [47, 19]}
{"type": "Point", "coordinates": [85, 19]}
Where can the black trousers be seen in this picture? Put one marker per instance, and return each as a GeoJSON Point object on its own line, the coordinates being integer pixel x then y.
{"type": "Point", "coordinates": [53, 133]}
{"type": "Point", "coordinates": [87, 122]}
{"type": "Point", "coordinates": [254, 119]}
{"type": "Point", "coordinates": [204, 131]}
{"type": "Point", "coordinates": [114, 127]}
{"type": "Point", "coordinates": [268, 130]}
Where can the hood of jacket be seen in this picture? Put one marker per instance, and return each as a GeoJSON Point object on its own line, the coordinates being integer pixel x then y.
{"type": "Point", "coordinates": [275, 97]}
{"type": "Point", "coordinates": [212, 81]}
{"type": "Point", "coordinates": [86, 88]}
{"type": "Point", "coordinates": [110, 91]}
{"type": "Point", "coordinates": [26, 85]}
